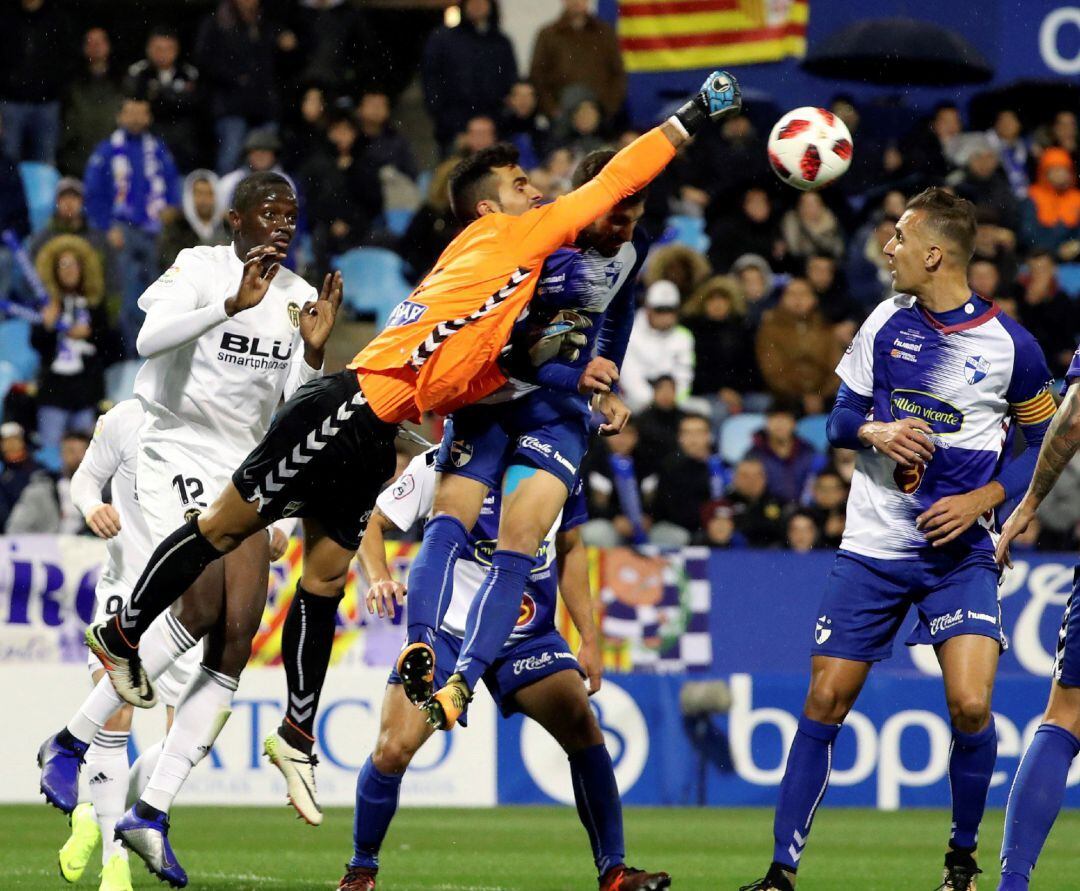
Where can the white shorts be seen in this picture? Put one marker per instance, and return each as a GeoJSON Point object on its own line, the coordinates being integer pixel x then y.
{"type": "Point", "coordinates": [173, 482]}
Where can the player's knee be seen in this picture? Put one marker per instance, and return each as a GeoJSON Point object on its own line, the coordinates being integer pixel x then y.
{"type": "Point", "coordinates": [828, 703]}
{"type": "Point", "coordinates": [197, 614]}
{"type": "Point", "coordinates": [392, 754]}
{"type": "Point", "coordinates": [578, 728]}
{"type": "Point", "coordinates": [970, 712]}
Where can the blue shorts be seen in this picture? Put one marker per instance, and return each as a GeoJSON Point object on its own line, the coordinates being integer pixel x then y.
{"type": "Point", "coordinates": [1067, 662]}
{"type": "Point", "coordinates": [481, 441]}
{"type": "Point", "coordinates": [524, 662]}
{"type": "Point", "coordinates": [866, 599]}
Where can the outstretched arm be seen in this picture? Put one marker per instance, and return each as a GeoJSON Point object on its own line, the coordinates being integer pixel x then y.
{"type": "Point", "coordinates": [574, 588]}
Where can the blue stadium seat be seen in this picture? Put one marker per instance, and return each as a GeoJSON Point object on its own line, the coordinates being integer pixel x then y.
{"type": "Point", "coordinates": [398, 219]}
{"type": "Point", "coordinates": [8, 376]}
{"type": "Point", "coordinates": [736, 435]}
{"type": "Point", "coordinates": [1068, 276]}
{"type": "Point", "coordinates": [15, 348]}
{"type": "Point", "coordinates": [423, 182]}
{"type": "Point", "coordinates": [374, 281]}
{"type": "Point", "coordinates": [812, 429]}
{"type": "Point", "coordinates": [49, 458]}
{"type": "Point", "coordinates": [39, 181]}
{"type": "Point", "coordinates": [687, 230]}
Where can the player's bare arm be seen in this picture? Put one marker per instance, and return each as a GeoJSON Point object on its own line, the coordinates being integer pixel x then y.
{"type": "Point", "coordinates": [574, 588]}
{"type": "Point", "coordinates": [615, 412]}
{"type": "Point", "coordinates": [1061, 443]}
{"type": "Point", "coordinates": [383, 591]}
{"type": "Point", "coordinates": [907, 441]}
{"type": "Point", "coordinates": [317, 319]}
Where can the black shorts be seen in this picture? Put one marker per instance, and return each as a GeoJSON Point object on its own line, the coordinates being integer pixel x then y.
{"type": "Point", "coordinates": [325, 457]}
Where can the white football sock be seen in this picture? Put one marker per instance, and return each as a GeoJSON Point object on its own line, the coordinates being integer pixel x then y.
{"type": "Point", "coordinates": [141, 770]}
{"type": "Point", "coordinates": [107, 772]}
{"type": "Point", "coordinates": [165, 640]}
{"type": "Point", "coordinates": [202, 711]}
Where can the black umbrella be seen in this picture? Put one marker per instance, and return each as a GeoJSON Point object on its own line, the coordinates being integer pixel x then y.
{"type": "Point", "coordinates": [1035, 101]}
{"type": "Point", "coordinates": [898, 51]}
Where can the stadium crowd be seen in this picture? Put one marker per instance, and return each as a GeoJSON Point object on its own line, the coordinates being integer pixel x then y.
{"type": "Point", "coordinates": [748, 298]}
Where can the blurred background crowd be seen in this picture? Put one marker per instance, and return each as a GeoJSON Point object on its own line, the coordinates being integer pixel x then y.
{"type": "Point", "coordinates": [114, 158]}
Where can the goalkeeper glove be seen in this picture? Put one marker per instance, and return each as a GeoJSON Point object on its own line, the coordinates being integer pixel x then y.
{"type": "Point", "coordinates": [719, 97]}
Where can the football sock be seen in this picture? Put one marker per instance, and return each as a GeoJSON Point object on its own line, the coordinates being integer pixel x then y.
{"type": "Point", "coordinates": [806, 778]}
{"type": "Point", "coordinates": [201, 713]}
{"type": "Point", "coordinates": [1035, 799]}
{"type": "Point", "coordinates": [307, 639]}
{"type": "Point", "coordinates": [164, 642]}
{"type": "Point", "coordinates": [170, 571]}
{"type": "Point", "coordinates": [971, 765]}
{"type": "Point", "coordinates": [598, 805]}
{"type": "Point", "coordinates": [493, 613]}
{"type": "Point", "coordinates": [141, 771]}
{"type": "Point", "coordinates": [431, 579]}
{"type": "Point", "coordinates": [376, 804]}
{"type": "Point", "coordinates": [107, 769]}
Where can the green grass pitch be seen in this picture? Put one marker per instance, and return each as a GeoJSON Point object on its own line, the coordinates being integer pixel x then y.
{"type": "Point", "coordinates": [535, 849]}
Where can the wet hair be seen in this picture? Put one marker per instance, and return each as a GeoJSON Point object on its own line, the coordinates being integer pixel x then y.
{"type": "Point", "coordinates": [253, 188]}
{"type": "Point", "coordinates": [592, 164]}
{"type": "Point", "coordinates": [952, 217]}
{"type": "Point", "coordinates": [471, 181]}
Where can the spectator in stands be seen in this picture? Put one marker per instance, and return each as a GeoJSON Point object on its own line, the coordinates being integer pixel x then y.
{"type": "Point", "coordinates": [789, 460]}
{"type": "Point", "coordinates": [676, 263]}
{"type": "Point", "coordinates": [337, 46]}
{"type": "Point", "coordinates": [1006, 137]}
{"type": "Point", "coordinates": [718, 518]}
{"type": "Point", "coordinates": [37, 46]}
{"type": "Point", "coordinates": [72, 338]}
{"type": "Point", "coordinates": [828, 499]}
{"type": "Point", "coordinates": [1051, 215]}
{"type": "Point", "coordinates": [524, 125]}
{"type": "Point", "coordinates": [803, 534]}
{"type": "Point", "coordinates": [724, 366]}
{"type": "Point", "coordinates": [19, 467]}
{"type": "Point", "coordinates": [658, 426]}
{"type": "Point", "coordinates": [758, 285]}
{"type": "Point", "coordinates": [927, 151]}
{"type": "Point", "coordinates": [752, 230]}
{"type": "Point", "coordinates": [380, 143]}
{"type": "Point", "coordinates": [235, 53]}
{"type": "Point", "coordinates": [659, 345]}
{"type": "Point", "coordinates": [613, 481]}
{"type": "Point", "coordinates": [92, 101]}
{"type": "Point", "coordinates": [45, 505]}
{"type": "Point", "coordinates": [1047, 312]}
{"type": "Point", "coordinates": [797, 351]}
{"type": "Point", "coordinates": [1061, 133]}
{"type": "Point", "coordinates": [758, 515]}
{"type": "Point", "coordinates": [987, 186]}
{"type": "Point", "coordinates": [820, 271]}
{"type": "Point", "coordinates": [467, 70]}
{"type": "Point", "coordinates": [1058, 513]}
{"type": "Point", "coordinates": [69, 218]}
{"type": "Point", "coordinates": [687, 480]}
{"type": "Point", "coordinates": [724, 161]}
{"type": "Point", "coordinates": [306, 132]}
{"type": "Point", "coordinates": [344, 194]}
{"type": "Point", "coordinates": [578, 50]}
{"type": "Point", "coordinates": [172, 87]}
{"type": "Point", "coordinates": [984, 279]}
{"type": "Point", "coordinates": [811, 228]}
{"type": "Point", "coordinates": [198, 222]}
{"type": "Point", "coordinates": [998, 245]}
{"type": "Point", "coordinates": [868, 274]}
{"type": "Point", "coordinates": [842, 461]}
{"type": "Point", "coordinates": [581, 131]}
{"type": "Point", "coordinates": [262, 150]}
{"type": "Point", "coordinates": [14, 215]}
{"type": "Point", "coordinates": [130, 178]}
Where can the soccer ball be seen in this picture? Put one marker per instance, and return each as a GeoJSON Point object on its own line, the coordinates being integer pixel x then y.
{"type": "Point", "coordinates": [809, 147]}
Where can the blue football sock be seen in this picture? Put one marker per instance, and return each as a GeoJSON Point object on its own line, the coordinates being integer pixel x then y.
{"type": "Point", "coordinates": [376, 804]}
{"type": "Point", "coordinates": [806, 778]}
{"type": "Point", "coordinates": [971, 765]}
{"type": "Point", "coordinates": [431, 579]}
{"type": "Point", "coordinates": [1035, 800]}
{"type": "Point", "coordinates": [493, 613]}
{"type": "Point", "coordinates": [598, 805]}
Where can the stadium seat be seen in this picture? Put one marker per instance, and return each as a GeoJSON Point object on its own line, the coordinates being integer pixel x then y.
{"type": "Point", "coordinates": [8, 376]}
{"type": "Point", "coordinates": [15, 348]}
{"type": "Point", "coordinates": [736, 435]}
{"type": "Point", "coordinates": [374, 281]}
{"type": "Point", "coordinates": [120, 379]}
{"type": "Point", "coordinates": [39, 181]}
{"type": "Point", "coordinates": [49, 458]}
{"type": "Point", "coordinates": [812, 429]}
{"type": "Point", "coordinates": [687, 230]}
{"type": "Point", "coordinates": [398, 219]}
{"type": "Point", "coordinates": [423, 183]}
{"type": "Point", "coordinates": [1068, 276]}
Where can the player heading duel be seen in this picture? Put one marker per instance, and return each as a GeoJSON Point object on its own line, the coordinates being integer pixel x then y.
{"type": "Point", "coordinates": [928, 384]}
{"type": "Point", "coordinates": [330, 448]}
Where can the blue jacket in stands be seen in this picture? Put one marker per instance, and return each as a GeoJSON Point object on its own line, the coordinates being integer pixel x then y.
{"type": "Point", "coordinates": [130, 179]}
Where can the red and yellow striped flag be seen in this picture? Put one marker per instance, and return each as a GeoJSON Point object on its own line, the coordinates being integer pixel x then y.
{"type": "Point", "coordinates": [661, 35]}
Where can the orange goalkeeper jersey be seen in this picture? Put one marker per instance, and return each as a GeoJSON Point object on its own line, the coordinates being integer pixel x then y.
{"type": "Point", "coordinates": [439, 349]}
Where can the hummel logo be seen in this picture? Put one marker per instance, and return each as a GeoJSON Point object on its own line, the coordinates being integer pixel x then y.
{"type": "Point", "coordinates": [99, 778]}
{"type": "Point", "coordinates": [203, 750]}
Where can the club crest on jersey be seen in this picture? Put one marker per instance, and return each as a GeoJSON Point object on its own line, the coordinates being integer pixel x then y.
{"type": "Point", "coordinates": [612, 272]}
{"type": "Point", "coordinates": [461, 452]}
{"type": "Point", "coordinates": [975, 369]}
{"type": "Point", "coordinates": [405, 313]}
{"type": "Point", "coordinates": [939, 414]}
{"type": "Point", "coordinates": [822, 631]}
{"type": "Point", "coordinates": [294, 314]}
{"type": "Point", "coordinates": [527, 612]}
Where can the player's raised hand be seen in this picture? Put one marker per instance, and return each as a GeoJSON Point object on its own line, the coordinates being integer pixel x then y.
{"type": "Point", "coordinates": [615, 413]}
{"type": "Point", "coordinates": [382, 596]}
{"type": "Point", "coordinates": [950, 517]}
{"type": "Point", "coordinates": [260, 266]}
{"type": "Point", "coordinates": [279, 544]}
{"type": "Point", "coordinates": [592, 664]}
{"type": "Point", "coordinates": [104, 521]}
{"type": "Point", "coordinates": [317, 318]}
{"type": "Point", "coordinates": [907, 441]}
{"type": "Point", "coordinates": [1019, 521]}
{"type": "Point", "coordinates": [598, 377]}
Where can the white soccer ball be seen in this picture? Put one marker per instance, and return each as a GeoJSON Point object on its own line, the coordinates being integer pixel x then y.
{"type": "Point", "coordinates": [809, 147]}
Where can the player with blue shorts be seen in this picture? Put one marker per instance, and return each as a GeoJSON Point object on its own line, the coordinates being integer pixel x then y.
{"type": "Point", "coordinates": [534, 432]}
{"type": "Point", "coordinates": [930, 386]}
{"type": "Point", "coordinates": [534, 673]}
{"type": "Point", "coordinates": [1039, 787]}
